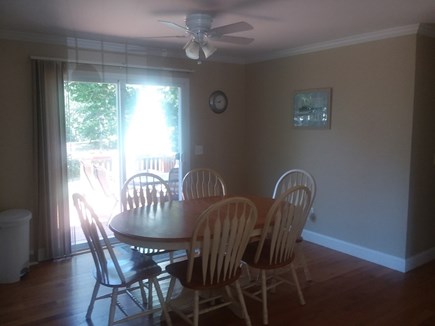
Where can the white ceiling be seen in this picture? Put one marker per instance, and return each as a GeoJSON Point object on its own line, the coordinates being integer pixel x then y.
{"type": "Point", "coordinates": [279, 25]}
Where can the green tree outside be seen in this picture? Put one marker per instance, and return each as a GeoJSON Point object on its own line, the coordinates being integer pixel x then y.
{"type": "Point", "coordinates": [92, 115]}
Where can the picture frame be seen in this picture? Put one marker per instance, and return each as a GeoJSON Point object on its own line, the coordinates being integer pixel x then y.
{"type": "Point", "coordinates": [312, 108]}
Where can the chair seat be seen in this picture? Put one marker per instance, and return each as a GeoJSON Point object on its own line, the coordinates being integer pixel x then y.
{"type": "Point", "coordinates": [264, 260]}
{"type": "Point", "coordinates": [179, 271]}
{"type": "Point", "coordinates": [136, 267]}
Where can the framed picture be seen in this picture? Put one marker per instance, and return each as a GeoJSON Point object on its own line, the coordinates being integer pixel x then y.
{"type": "Point", "coordinates": [312, 108]}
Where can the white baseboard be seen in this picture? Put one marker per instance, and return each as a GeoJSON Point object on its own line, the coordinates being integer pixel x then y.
{"type": "Point", "coordinates": [377, 257]}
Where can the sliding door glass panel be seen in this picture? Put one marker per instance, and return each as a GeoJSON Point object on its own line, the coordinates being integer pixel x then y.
{"type": "Point", "coordinates": [151, 129]}
{"type": "Point", "coordinates": [91, 114]}
{"type": "Point", "coordinates": [116, 129]}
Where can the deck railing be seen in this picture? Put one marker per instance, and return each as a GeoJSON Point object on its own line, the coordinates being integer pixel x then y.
{"type": "Point", "coordinates": [99, 182]}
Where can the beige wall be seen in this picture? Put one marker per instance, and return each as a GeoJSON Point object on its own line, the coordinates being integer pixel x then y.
{"type": "Point", "coordinates": [16, 149]}
{"type": "Point", "coordinates": [221, 135]}
{"type": "Point", "coordinates": [362, 163]}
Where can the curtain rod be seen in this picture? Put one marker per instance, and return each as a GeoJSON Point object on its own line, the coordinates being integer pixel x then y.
{"type": "Point", "coordinates": [111, 64]}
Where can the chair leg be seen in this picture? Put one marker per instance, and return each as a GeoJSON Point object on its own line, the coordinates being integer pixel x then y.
{"type": "Point", "coordinates": [196, 308]}
{"type": "Point", "coordinates": [113, 306]}
{"type": "Point", "coordinates": [166, 316]}
{"type": "Point", "coordinates": [93, 298]}
{"type": "Point", "coordinates": [243, 304]}
{"type": "Point", "coordinates": [264, 297]}
{"type": "Point", "coordinates": [170, 289]}
{"type": "Point", "coordinates": [247, 271]}
{"type": "Point", "coordinates": [150, 294]}
{"type": "Point", "coordinates": [298, 286]}
{"type": "Point", "coordinates": [142, 292]}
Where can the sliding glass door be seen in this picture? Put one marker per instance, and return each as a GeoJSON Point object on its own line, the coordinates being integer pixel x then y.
{"type": "Point", "coordinates": [116, 129]}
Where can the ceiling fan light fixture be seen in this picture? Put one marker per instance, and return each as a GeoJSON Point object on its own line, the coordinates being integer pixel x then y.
{"type": "Point", "coordinates": [208, 50]}
{"type": "Point", "coordinates": [192, 50]}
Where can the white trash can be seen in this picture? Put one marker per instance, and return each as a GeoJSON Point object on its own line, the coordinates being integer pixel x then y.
{"type": "Point", "coordinates": [14, 244]}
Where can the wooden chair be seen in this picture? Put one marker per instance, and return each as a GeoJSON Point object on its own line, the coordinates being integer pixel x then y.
{"type": "Point", "coordinates": [118, 274]}
{"type": "Point", "coordinates": [275, 249]}
{"type": "Point", "coordinates": [289, 179]}
{"type": "Point", "coordinates": [87, 172]}
{"type": "Point", "coordinates": [97, 188]}
{"type": "Point", "coordinates": [145, 189]}
{"type": "Point", "coordinates": [102, 175]}
{"type": "Point", "coordinates": [201, 183]}
{"type": "Point", "coordinates": [218, 241]}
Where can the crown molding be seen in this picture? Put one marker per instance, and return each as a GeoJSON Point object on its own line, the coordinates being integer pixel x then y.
{"type": "Point", "coordinates": [341, 42]}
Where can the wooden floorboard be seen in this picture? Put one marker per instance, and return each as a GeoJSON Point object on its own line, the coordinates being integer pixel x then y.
{"type": "Point", "coordinates": [345, 291]}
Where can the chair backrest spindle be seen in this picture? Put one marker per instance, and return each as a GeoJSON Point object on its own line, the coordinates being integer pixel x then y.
{"type": "Point", "coordinates": [293, 178]}
{"type": "Point", "coordinates": [144, 189]}
{"type": "Point", "coordinates": [221, 235]}
{"type": "Point", "coordinates": [201, 183]}
{"type": "Point", "coordinates": [284, 223]}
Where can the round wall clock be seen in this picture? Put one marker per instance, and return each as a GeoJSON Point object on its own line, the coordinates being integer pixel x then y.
{"type": "Point", "coordinates": [218, 101]}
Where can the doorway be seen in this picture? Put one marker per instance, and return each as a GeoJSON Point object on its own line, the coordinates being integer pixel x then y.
{"type": "Point", "coordinates": [114, 130]}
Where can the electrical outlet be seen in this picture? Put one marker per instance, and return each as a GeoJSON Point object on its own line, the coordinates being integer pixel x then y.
{"type": "Point", "coordinates": [312, 216]}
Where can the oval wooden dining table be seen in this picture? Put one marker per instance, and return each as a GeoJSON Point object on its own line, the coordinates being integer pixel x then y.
{"type": "Point", "coordinates": [170, 225]}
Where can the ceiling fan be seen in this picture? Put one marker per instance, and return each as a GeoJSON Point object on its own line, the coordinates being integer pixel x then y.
{"type": "Point", "coordinates": [198, 27]}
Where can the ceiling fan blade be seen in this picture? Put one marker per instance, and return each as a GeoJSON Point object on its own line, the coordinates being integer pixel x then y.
{"type": "Point", "coordinates": [229, 29]}
{"type": "Point", "coordinates": [233, 39]}
{"type": "Point", "coordinates": [168, 36]}
{"type": "Point", "coordinates": [187, 44]}
{"type": "Point", "coordinates": [174, 25]}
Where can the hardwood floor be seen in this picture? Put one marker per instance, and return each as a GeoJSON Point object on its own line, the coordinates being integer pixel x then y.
{"type": "Point", "coordinates": [345, 291]}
